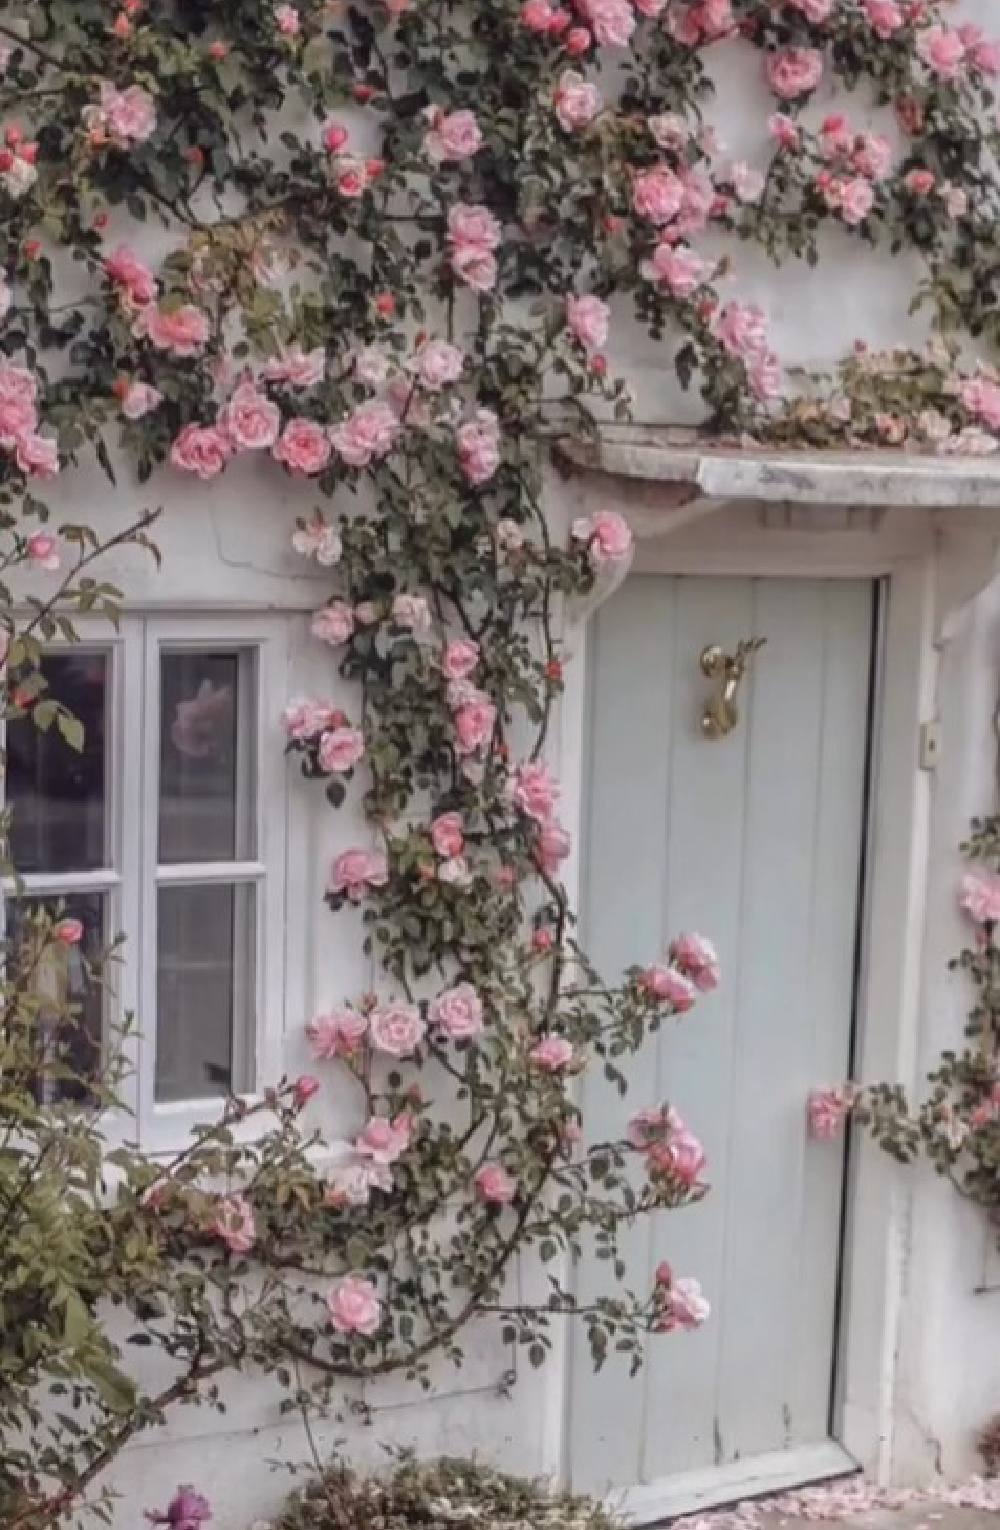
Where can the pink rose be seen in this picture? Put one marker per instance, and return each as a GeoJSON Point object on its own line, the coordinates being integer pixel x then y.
{"type": "Point", "coordinates": [304, 1088]}
{"type": "Point", "coordinates": [697, 959]}
{"type": "Point", "coordinates": [552, 847]}
{"type": "Point", "coordinates": [534, 792]}
{"type": "Point", "coordinates": [368, 433]}
{"type": "Point", "coordinates": [886, 16]}
{"type": "Point", "coordinates": [351, 1184]}
{"type": "Point", "coordinates": [302, 447]}
{"type": "Point", "coordinates": [784, 129]}
{"type": "Point", "coordinates": [340, 749]}
{"type": "Point", "coordinates": [647, 1127]}
{"type": "Point", "coordinates": [455, 871]}
{"type": "Point", "coordinates": [37, 455]}
{"type": "Point", "coordinates": [474, 267]}
{"type": "Point", "coordinates": [438, 363]}
{"type": "Point", "coordinates": [446, 835]}
{"type": "Point", "coordinates": [124, 268]}
{"type": "Point", "coordinates": [474, 722]}
{"type": "Point", "coordinates": [740, 328]}
{"type": "Point", "coordinates": [942, 50]}
{"type": "Point", "coordinates": [124, 116]}
{"type": "Point", "coordinates": [68, 932]}
{"type": "Point", "coordinates": [576, 100]}
{"type": "Point", "coordinates": [873, 156]}
{"type": "Point", "coordinates": [298, 368]}
{"type": "Point", "coordinates": [982, 398]}
{"type": "Point", "coordinates": [816, 11]}
{"type": "Point", "coordinates": [384, 1141]}
{"type": "Point", "coordinates": [470, 224]}
{"type": "Point", "coordinates": [182, 331]}
{"type": "Point", "coordinates": [856, 201]}
{"type": "Point", "coordinates": [452, 136]}
{"type": "Point", "coordinates": [303, 719]}
{"type": "Point", "coordinates": [669, 986]}
{"type": "Point", "coordinates": [334, 624]}
{"type": "Point", "coordinates": [477, 443]}
{"type": "Point", "coordinates": [552, 1054]}
{"type": "Point", "coordinates": [682, 1305]}
{"type": "Point", "coordinates": [494, 1184]}
{"type": "Point", "coordinates": [337, 1033]}
{"type": "Point", "coordinates": [826, 1109]}
{"type": "Point", "coordinates": [355, 871]}
{"type": "Point", "coordinates": [411, 612]}
{"type": "Point", "coordinates": [458, 1012]}
{"type": "Point", "coordinates": [682, 1156]}
{"type": "Point", "coordinates": [606, 535]}
{"type": "Point", "coordinates": [249, 419]}
{"type": "Point", "coordinates": [587, 320]}
{"type": "Point", "coordinates": [657, 195]}
{"type": "Point", "coordinates": [354, 1306]}
{"type": "Point", "coordinates": [201, 449]}
{"type": "Point", "coordinates": [396, 1029]}
{"type": "Point", "coordinates": [315, 539]}
{"type": "Point", "coordinates": [459, 658]}
{"type": "Point", "coordinates": [187, 1510]}
{"type": "Point", "coordinates": [979, 895]}
{"type": "Point", "coordinates": [287, 20]}
{"type": "Point", "coordinates": [233, 1222]}
{"type": "Point", "coordinates": [677, 268]}
{"type": "Point", "coordinates": [140, 399]}
{"type": "Point", "coordinates": [611, 21]}
{"type": "Point", "coordinates": [17, 385]}
{"type": "Point", "coordinates": [793, 72]}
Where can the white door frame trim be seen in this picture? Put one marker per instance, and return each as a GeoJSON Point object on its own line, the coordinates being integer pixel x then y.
{"type": "Point", "coordinates": [930, 577]}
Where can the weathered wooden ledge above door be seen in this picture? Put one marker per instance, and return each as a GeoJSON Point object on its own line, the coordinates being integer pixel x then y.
{"type": "Point", "coordinates": [667, 479]}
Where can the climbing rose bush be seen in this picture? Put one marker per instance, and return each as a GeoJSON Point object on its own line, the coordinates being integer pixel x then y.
{"type": "Point", "coordinates": [380, 253]}
{"type": "Point", "coordinates": [956, 1125]}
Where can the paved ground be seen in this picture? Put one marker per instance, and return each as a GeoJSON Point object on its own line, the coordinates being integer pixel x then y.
{"type": "Point", "coordinates": [924, 1516]}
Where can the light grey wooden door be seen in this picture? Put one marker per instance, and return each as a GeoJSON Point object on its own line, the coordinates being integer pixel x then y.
{"type": "Point", "coordinates": [754, 840]}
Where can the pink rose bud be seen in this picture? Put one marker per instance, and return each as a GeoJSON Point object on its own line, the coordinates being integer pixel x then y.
{"type": "Point", "coordinates": [577, 41]}
{"type": "Point", "coordinates": [68, 932]}
{"type": "Point", "coordinates": [304, 1088]}
{"type": "Point", "coordinates": [335, 135]}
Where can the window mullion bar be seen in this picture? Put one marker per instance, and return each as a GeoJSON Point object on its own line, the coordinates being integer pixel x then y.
{"type": "Point", "coordinates": [189, 873]}
{"type": "Point", "coordinates": [54, 883]}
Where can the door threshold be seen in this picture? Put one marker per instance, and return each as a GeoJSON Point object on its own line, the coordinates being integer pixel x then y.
{"type": "Point", "coordinates": [718, 1486]}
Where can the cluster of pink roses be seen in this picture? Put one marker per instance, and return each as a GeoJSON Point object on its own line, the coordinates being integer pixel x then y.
{"type": "Point", "coordinates": [946, 51]}
{"type": "Point", "coordinates": [671, 1150]}
{"type": "Point", "coordinates": [850, 162]}
{"type": "Point", "coordinates": [17, 162]}
{"type": "Point", "coordinates": [473, 238]}
{"type": "Point", "coordinates": [678, 1302]}
{"type": "Point", "coordinates": [326, 734]}
{"type": "Point", "coordinates": [979, 895]}
{"type": "Point", "coordinates": [692, 967]}
{"type": "Point", "coordinates": [741, 330]}
{"type": "Point", "coordinates": [828, 1109]}
{"type": "Point", "coordinates": [36, 455]}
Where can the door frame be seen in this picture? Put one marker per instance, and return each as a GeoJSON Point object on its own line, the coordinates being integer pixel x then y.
{"type": "Point", "coordinates": [927, 579]}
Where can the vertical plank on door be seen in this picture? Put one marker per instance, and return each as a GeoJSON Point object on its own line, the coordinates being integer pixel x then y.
{"type": "Point", "coordinates": [701, 891]}
{"type": "Point", "coordinates": [630, 723]}
{"type": "Point", "coordinates": [849, 635]}
{"type": "Point", "coordinates": [763, 1177]}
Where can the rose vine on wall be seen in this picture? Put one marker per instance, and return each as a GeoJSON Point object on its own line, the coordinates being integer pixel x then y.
{"type": "Point", "coordinates": [381, 250]}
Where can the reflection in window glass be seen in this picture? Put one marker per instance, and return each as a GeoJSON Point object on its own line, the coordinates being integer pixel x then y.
{"type": "Point", "coordinates": [204, 987]}
{"type": "Point", "coordinates": [70, 1036]}
{"type": "Point", "coordinates": [58, 793]}
{"type": "Point", "coordinates": [206, 756]}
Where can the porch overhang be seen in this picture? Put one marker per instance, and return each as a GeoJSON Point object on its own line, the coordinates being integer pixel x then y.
{"type": "Point", "coordinates": [692, 469]}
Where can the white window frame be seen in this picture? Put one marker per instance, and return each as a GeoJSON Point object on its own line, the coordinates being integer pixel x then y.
{"type": "Point", "coordinates": [132, 878]}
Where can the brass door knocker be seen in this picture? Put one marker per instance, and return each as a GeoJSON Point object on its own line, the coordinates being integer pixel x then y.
{"type": "Point", "coordinates": [720, 715]}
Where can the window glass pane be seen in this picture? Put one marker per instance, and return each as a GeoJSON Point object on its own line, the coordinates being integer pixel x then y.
{"type": "Point", "coordinates": [204, 991]}
{"type": "Point", "coordinates": [206, 756]}
{"type": "Point", "coordinates": [69, 1038]}
{"type": "Point", "coordinates": [57, 793]}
